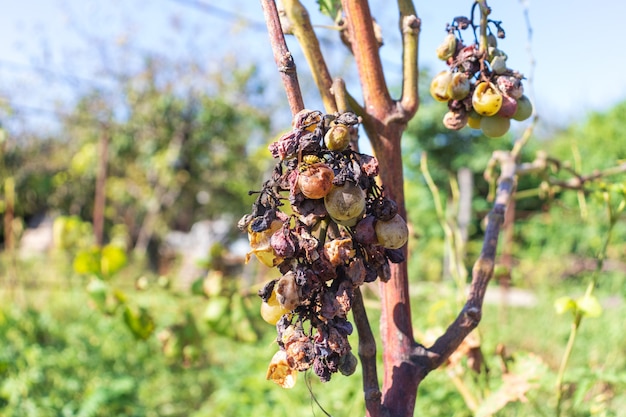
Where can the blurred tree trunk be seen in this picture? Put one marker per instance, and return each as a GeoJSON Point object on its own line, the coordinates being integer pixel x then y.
{"type": "Point", "coordinates": [101, 178]}
{"type": "Point", "coordinates": [9, 213]}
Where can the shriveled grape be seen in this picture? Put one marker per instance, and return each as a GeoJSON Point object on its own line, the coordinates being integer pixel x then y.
{"type": "Point", "coordinates": [345, 202]}
{"type": "Point", "coordinates": [315, 181]}
{"type": "Point", "coordinates": [322, 239]}
{"type": "Point", "coordinates": [392, 234]}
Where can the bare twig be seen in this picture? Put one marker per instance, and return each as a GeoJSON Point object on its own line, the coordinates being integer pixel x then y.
{"type": "Point", "coordinates": [341, 95]}
{"type": "Point", "coordinates": [578, 181]}
{"type": "Point", "coordinates": [470, 315]}
{"type": "Point", "coordinates": [367, 353]}
{"type": "Point", "coordinates": [484, 13]}
{"type": "Point", "coordinates": [410, 26]}
{"type": "Point", "coordinates": [523, 140]}
{"type": "Point", "coordinates": [304, 33]}
{"type": "Point", "coordinates": [282, 56]}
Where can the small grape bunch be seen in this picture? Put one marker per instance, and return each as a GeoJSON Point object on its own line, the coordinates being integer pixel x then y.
{"type": "Point", "coordinates": [480, 90]}
{"type": "Point", "coordinates": [328, 227]}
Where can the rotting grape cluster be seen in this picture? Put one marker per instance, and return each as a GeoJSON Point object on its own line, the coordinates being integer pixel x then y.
{"type": "Point", "coordinates": [480, 90]}
{"type": "Point", "coordinates": [328, 227]}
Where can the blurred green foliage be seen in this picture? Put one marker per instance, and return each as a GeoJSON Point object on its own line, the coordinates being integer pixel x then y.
{"type": "Point", "coordinates": [594, 140]}
{"type": "Point", "coordinates": [59, 356]}
{"type": "Point", "coordinates": [172, 151]}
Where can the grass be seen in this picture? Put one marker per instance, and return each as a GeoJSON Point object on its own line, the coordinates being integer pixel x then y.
{"type": "Point", "coordinates": [59, 357]}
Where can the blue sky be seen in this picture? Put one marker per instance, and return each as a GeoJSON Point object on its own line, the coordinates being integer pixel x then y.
{"type": "Point", "coordinates": [47, 51]}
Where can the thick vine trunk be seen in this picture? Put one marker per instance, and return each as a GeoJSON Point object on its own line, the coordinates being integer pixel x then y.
{"type": "Point", "coordinates": [385, 121]}
{"type": "Point", "coordinates": [400, 377]}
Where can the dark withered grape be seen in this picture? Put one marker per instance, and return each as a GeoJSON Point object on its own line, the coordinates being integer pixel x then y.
{"type": "Point", "coordinates": [326, 246]}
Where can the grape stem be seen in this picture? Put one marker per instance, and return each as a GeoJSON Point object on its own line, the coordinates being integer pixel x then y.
{"type": "Point", "coordinates": [484, 21]}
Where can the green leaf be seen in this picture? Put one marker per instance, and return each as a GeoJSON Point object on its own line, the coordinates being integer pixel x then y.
{"type": "Point", "coordinates": [218, 317]}
{"type": "Point", "coordinates": [216, 309]}
{"type": "Point", "coordinates": [212, 284]}
{"type": "Point", "coordinates": [112, 260]}
{"type": "Point", "coordinates": [120, 296]}
{"type": "Point", "coordinates": [104, 298]}
{"type": "Point", "coordinates": [564, 304]}
{"type": "Point", "coordinates": [139, 321]}
{"type": "Point", "coordinates": [241, 322]}
{"type": "Point", "coordinates": [197, 287]}
{"type": "Point", "coordinates": [583, 386]}
{"type": "Point", "coordinates": [106, 261]}
{"type": "Point", "coordinates": [330, 8]}
{"type": "Point", "coordinates": [191, 334]}
{"type": "Point", "coordinates": [104, 395]}
{"type": "Point", "coordinates": [589, 306]}
{"type": "Point", "coordinates": [98, 290]}
{"type": "Point", "coordinates": [87, 262]}
{"type": "Point", "coordinates": [84, 161]}
{"type": "Point", "coordinates": [71, 233]}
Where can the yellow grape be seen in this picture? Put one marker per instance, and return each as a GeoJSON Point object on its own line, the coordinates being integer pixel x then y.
{"type": "Point", "coordinates": [440, 86]}
{"type": "Point", "coordinates": [486, 100]}
{"type": "Point", "coordinates": [272, 311]}
{"type": "Point", "coordinates": [337, 138]}
{"type": "Point", "coordinates": [473, 119]}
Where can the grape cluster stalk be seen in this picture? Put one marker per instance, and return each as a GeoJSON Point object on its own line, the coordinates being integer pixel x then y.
{"type": "Point", "coordinates": [324, 222]}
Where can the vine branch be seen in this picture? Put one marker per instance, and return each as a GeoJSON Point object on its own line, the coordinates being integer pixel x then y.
{"type": "Point", "coordinates": [304, 33]}
{"type": "Point", "coordinates": [367, 354]}
{"type": "Point", "coordinates": [410, 26]}
{"type": "Point", "coordinates": [482, 272]}
{"type": "Point", "coordinates": [365, 48]}
{"type": "Point", "coordinates": [578, 181]}
{"type": "Point", "coordinates": [282, 56]}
